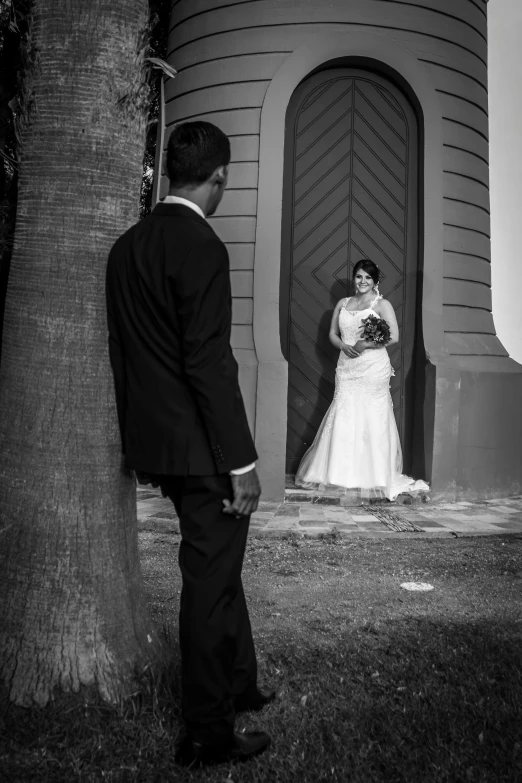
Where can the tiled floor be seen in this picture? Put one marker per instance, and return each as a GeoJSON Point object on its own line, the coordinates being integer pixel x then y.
{"type": "Point", "coordinates": [316, 515]}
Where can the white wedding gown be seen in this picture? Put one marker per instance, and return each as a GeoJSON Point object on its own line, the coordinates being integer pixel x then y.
{"type": "Point", "coordinates": [357, 447]}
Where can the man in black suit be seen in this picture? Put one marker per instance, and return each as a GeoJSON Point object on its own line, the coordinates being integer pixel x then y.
{"type": "Point", "coordinates": [183, 427]}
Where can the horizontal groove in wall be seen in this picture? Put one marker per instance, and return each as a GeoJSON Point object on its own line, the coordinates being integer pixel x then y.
{"type": "Point", "coordinates": [210, 11]}
{"type": "Point", "coordinates": [460, 98]}
{"type": "Point", "coordinates": [464, 228]}
{"type": "Point", "coordinates": [454, 331]}
{"type": "Point", "coordinates": [466, 176]}
{"type": "Point", "coordinates": [468, 307]}
{"type": "Point", "coordinates": [204, 113]}
{"type": "Point", "coordinates": [468, 127]}
{"type": "Point", "coordinates": [477, 5]}
{"type": "Point", "coordinates": [230, 136]}
{"type": "Point", "coordinates": [396, 2]}
{"type": "Point", "coordinates": [454, 70]}
{"type": "Point", "coordinates": [469, 204]}
{"type": "Point", "coordinates": [216, 86]}
{"type": "Point", "coordinates": [377, 28]}
{"type": "Point", "coordinates": [468, 152]}
{"type": "Point", "coordinates": [443, 13]}
{"type": "Point", "coordinates": [466, 255]}
{"type": "Point", "coordinates": [466, 280]}
{"type": "Point", "coordinates": [233, 57]}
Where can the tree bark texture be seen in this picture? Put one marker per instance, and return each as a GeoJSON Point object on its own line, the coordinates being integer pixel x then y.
{"type": "Point", "coordinates": [72, 610]}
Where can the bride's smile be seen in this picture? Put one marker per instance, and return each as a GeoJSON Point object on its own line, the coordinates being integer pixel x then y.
{"type": "Point", "coordinates": [364, 283]}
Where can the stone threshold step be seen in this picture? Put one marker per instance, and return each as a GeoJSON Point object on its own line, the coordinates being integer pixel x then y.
{"type": "Point", "coordinates": [299, 496]}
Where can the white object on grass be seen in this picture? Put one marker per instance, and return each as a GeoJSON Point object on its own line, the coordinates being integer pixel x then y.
{"type": "Point", "coordinates": [421, 587]}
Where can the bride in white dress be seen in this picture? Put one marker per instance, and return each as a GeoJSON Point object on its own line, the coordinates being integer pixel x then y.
{"type": "Point", "coordinates": [357, 446]}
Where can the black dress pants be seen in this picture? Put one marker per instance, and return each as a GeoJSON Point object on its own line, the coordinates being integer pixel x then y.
{"type": "Point", "coordinates": [218, 659]}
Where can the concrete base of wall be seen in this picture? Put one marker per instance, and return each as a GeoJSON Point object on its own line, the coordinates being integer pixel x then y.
{"type": "Point", "coordinates": [477, 433]}
{"type": "Point", "coordinates": [247, 376]}
{"type": "Point", "coordinates": [467, 432]}
{"type": "Point", "coordinates": [272, 386]}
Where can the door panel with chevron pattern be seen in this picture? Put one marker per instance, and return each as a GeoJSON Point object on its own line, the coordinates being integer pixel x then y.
{"type": "Point", "coordinates": [351, 192]}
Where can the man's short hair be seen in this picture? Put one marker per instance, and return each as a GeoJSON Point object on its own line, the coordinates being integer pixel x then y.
{"type": "Point", "coordinates": [195, 150]}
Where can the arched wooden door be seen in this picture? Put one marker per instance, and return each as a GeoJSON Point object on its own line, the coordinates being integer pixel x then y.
{"type": "Point", "coordinates": [350, 192]}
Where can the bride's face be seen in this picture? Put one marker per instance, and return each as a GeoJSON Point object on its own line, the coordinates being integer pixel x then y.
{"type": "Point", "coordinates": [363, 282]}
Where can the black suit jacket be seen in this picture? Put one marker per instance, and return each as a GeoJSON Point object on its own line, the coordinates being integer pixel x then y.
{"type": "Point", "coordinates": [179, 404]}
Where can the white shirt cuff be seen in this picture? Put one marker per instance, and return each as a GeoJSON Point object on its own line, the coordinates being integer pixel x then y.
{"type": "Point", "coordinates": [240, 471]}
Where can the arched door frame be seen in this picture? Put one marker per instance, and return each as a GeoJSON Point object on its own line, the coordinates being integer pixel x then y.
{"type": "Point", "coordinates": [272, 383]}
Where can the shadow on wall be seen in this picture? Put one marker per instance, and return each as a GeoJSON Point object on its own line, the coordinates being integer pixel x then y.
{"type": "Point", "coordinates": [326, 354]}
{"type": "Point", "coordinates": [324, 359]}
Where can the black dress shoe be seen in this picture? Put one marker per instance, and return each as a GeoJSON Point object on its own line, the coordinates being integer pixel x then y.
{"type": "Point", "coordinates": [254, 700]}
{"type": "Point", "coordinates": [241, 747]}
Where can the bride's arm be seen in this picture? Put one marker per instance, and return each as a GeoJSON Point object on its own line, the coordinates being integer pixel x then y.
{"type": "Point", "coordinates": [386, 311]}
{"type": "Point", "coordinates": [334, 334]}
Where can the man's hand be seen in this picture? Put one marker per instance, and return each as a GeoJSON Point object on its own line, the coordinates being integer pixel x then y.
{"type": "Point", "coordinates": [247, 490]}
{"type": "Point", "coordinates": [145, 478]}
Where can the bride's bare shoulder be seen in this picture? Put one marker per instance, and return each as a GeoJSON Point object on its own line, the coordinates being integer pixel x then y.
{"type": "Point", "coordinates": [383, 304]}
{"type": "Point", "coordinates": [341, 302]}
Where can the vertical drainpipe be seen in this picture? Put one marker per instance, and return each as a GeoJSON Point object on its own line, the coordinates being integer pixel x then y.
{"type": "Point", "coordinates": [160, 138]}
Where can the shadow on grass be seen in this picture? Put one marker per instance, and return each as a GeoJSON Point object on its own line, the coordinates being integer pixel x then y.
{"type": "Point", "coordinates": [409, 701]}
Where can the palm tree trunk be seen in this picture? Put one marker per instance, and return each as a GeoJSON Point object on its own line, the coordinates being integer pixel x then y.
{"type": "Point", "coordinates": [73, 612]}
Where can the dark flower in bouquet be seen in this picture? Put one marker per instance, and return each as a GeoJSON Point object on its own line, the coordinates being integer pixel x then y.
{"type": "Point", "coordinates": [376, 330]}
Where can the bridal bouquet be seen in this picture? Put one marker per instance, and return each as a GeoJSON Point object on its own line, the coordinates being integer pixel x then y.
{"type": "Point", "coordinates": [376, 330]}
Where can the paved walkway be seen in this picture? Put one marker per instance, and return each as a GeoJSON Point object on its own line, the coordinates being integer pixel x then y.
{"type": "Point", "coordinates": [312, 515]}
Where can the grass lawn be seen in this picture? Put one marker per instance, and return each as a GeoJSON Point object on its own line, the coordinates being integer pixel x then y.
{"type": "Point", "coordinates": [375, 683]}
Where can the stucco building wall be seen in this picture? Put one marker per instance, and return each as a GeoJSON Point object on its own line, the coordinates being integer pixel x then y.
{"type": "Point", "coordinates": [223, 76]}
{"type": "Point", "coordinates": [229, 55]}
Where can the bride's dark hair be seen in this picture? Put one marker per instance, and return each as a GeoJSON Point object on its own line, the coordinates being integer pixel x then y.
{"type": "Point", "coordinates": [368, 266]}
